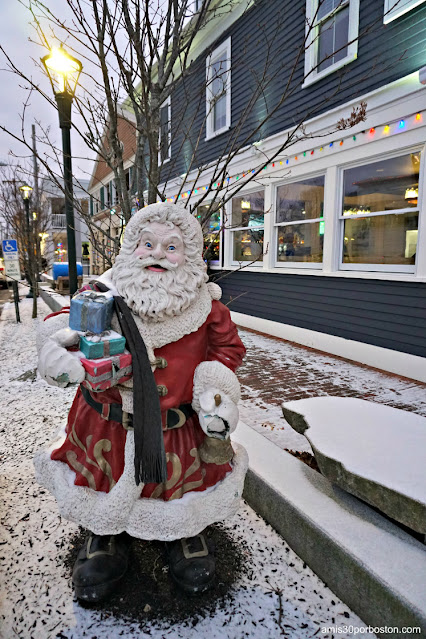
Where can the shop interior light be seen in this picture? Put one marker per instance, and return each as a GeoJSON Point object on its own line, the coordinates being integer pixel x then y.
{"type": "Point", "coordinates": [245, 204]}
{"type": "Point", "coordinates": [411, 193]}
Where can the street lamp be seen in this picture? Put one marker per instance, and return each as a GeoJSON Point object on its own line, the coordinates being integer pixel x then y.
{"type": "Point", "coordinates": [64, 71]}
{"type": "Point", "coordinates": [26, 194]}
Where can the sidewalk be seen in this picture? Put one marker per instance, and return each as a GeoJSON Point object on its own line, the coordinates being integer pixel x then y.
{"type": "Point", "coordinates": [275, 371]}
{"type": "Point", "coordinates": [275, 595]}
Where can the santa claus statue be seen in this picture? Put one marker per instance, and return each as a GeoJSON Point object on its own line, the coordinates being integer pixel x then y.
{"type": "Point", "coordinates": [150, 458]}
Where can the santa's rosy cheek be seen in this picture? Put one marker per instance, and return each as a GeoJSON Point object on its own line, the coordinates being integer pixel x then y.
{"type": "Point", "coordinates": [176, 257]}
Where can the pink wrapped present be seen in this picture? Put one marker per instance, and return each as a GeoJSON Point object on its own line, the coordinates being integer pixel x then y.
{"type": "Point", "coordinates": [101, 374]}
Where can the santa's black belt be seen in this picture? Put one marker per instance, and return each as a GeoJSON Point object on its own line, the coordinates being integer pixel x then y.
{"type": "Point", "coordinates": [176, 417]}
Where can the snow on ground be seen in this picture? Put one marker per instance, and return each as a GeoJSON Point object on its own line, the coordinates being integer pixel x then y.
{"type": "Point", "coordinates": [37, 600]}
{"type": "Point", "coordinates": [275, 371]}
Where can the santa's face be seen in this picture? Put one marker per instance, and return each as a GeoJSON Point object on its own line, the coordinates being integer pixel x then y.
{"type": "Point", "coordinates": [163, 275]}
{"type": "Point", "coordinates": [161, 247]}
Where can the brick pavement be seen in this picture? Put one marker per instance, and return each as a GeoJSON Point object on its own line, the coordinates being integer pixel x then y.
{"type": "Point", "coordinates": [275, 371]}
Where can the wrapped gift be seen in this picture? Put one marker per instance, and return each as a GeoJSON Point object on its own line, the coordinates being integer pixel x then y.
{"type": "Point", "coordinates": [101, 374]}
{"type": "Point", "coordinates": [102, 345]}
{"type": "Point", "coordinates": [91, 311]}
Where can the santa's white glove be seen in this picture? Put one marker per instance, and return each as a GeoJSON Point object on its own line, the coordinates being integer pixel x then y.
{"type": "Point", "coordinates": [55, 364]}
{"type": "Point", "coordinates": [218, 415]}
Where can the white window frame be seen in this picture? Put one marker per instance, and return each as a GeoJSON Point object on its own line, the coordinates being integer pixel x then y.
{"type": "Point", "coordinates": [311, 73]}
{"type": "Point", "coordinates": [167, 103]}
{"type": "Point", "coordinates": [232, 230]}
{"type": "Point", "coordinates": [381, 268]}
{"type": "Point", "coordinates": [394, 9]}
{"type": "Point", "coordinates": [225, 47]}
{"type": "Point", "coordinates": [278, 225]}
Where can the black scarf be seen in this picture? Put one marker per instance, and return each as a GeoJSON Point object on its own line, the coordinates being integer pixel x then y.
{"type": "Point", "coordinates": [150, 456]}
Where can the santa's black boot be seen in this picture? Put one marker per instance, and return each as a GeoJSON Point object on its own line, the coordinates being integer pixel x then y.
{"type": "Point", "coordinates": [100, 565]}
{"type": "Point", "coordinates": [192, 563]}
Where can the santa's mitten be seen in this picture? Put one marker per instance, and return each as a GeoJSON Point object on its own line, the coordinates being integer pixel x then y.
{"type": "Point", "coordinates": [218, 415]}
{"type": "Point", "coordinates": [55, 364]}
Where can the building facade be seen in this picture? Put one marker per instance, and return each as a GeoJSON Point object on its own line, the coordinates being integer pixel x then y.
{"type": "Point", "coordinates": [54, 242]}
{"type": "Point", "coordinates": [327, 245]}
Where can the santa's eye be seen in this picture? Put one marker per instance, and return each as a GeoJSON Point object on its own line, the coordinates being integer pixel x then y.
{"type": "Point", "coordinates": [148, 244]}
{"type": "Point", "coordinates": [171, 247]}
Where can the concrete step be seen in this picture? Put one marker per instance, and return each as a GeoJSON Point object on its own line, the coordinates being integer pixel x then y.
{"type": "Point", "coordinates": [375, 567]}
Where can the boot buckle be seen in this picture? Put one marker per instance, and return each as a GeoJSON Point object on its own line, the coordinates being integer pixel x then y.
{"type": "Point", "coordinates": [198, 553]}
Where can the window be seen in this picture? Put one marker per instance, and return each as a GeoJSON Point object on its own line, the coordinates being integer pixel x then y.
{"type": "Point", "coordinates": [300, 227]}
{"type": "Point", "coordinates": [218, 90]}
{"type": "Point", "coordinates": [332, 30]}
{"type": "Point", "coordinates": [247, 227]}
{"type": "Point", "coordinates": [102, 197]}
{"type": "Point", "coordinates": [380, 215]}
{"type": "Point", "coordinates": [394, 8]}
{"type": "Point", "coordinates": [164, 145]}
{"type": "Point", "coordinates": [211, 224]}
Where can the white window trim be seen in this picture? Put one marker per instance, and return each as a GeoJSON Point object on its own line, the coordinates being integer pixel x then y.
{"type": "Point", "coordinates": [277, 225]}
{"type": "Point", "coordinates": [380, 268]}
{"type": "Point", "coordinates": [394, 9]}
{"type": "Point", "coordinates": [225, 47]}
{"type": "Point", "coordinates": [167, 103]}
{"type": "Point", "coordinates": [230, 231]}
{"type": "Point", "coordinates": [311, 74]}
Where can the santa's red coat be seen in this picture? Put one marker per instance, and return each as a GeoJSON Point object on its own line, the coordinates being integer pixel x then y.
{"type": "Point", "coordinates": [94, 447]}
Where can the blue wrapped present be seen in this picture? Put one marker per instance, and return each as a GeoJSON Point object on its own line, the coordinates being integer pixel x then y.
{"type": "Point", "coordinates": [91, 311]}
{"type": "Point", "coordinates": [103, 345]}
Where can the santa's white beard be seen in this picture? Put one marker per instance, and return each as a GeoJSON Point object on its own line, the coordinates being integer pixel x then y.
{"type": "Point", "coordinates": [157, 295]}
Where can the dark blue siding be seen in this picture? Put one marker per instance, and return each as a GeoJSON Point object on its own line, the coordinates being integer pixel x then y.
{"type": "Point", "coordinates": [383, 313]}
{"type": "Point", "coordinates": [273, 31]}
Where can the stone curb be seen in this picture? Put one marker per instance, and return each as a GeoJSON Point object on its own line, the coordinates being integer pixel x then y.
{"type": "Point", "coordinates": [55, 301]}
{"type": "Point", "coordinates": [376, 568]}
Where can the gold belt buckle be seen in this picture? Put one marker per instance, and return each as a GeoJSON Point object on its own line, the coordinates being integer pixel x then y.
{"type": "Point", "coordinates": [181, 415]}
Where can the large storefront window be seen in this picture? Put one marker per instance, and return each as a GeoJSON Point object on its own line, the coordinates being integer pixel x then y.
{"type": "Point", "coordinates": [247, 227]}
{"type": "Point", "coordinates": [300, 227]}
{"type": "Point", "coordinates": [380, 214]}
{"type": "Point", "coordinates": [210, 221]}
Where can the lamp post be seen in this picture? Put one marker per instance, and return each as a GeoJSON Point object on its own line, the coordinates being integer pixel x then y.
{"type": "Point", "coordinates": [63, 71]}
{"type": "Point", "coordinates": [26, 194]}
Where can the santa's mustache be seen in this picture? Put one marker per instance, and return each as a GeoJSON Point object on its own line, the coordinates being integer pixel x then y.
{"type": "Point", "coordinates": [144, 262]}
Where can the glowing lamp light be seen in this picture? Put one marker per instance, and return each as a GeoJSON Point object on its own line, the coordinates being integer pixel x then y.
{"type": "Point", "coordinates": [295, 157]}
{"type": "Point", "coordinates": [372, 130]}
{"type": "Point", "coordinates": [331, 144]}
{"type": "Point", "coordinates": [386, 129]}
{"type": "Point", "coordinates": [63, 71]}
{"type": "Point", "coordinates": [418, 117]}
{"type": "Point", "coordinates": [287, 161]}
{"type": "Point", "coordinates": [26, 191]}
{"type": "Point", "coordinates": [312, 152]}
{"type": "Point", "coordinates": [321, 148]}
{"type": "Point", "coordinates": [411, 193]}
{"type": "Point", "coordinates": [304, 154]}
{"type": "Point", "coordinates": [34, 215]}
{"type": "Point", "coordinates": [245, 204]}
{"type": "Point", "coordinates": [401, 124]}
{"type": "Point", "coordinates": [341, 143]}
{"type": "Point", "coordinates": [354, 138]}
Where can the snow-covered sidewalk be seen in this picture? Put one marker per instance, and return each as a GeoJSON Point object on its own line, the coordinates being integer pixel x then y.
{"type": "Point", "coordinates": [275, 595]}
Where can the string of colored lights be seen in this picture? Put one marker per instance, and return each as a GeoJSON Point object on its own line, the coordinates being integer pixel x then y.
{"type": "Point", "coordinates": [394, 126]}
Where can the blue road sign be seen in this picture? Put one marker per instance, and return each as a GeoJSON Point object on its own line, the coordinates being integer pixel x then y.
{"type": "Point", "coordinates": [10, 247]}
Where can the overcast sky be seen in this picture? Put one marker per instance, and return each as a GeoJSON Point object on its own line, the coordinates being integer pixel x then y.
{"type": "Point", "coordinates": [15, 32]}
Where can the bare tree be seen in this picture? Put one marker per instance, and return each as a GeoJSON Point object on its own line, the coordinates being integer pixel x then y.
{"type": "Point", "coordinates": [30, 233]}
{"type": "Point", "coordinates": [136, 55]}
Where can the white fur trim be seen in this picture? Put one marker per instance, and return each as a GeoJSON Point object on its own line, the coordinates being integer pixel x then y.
{"type": "Point", "coordinates": [214, 290]}
{"type": "Point", "coordinates": [122, 509]}
{"type": "Point", "coordinates": [214, 375]}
